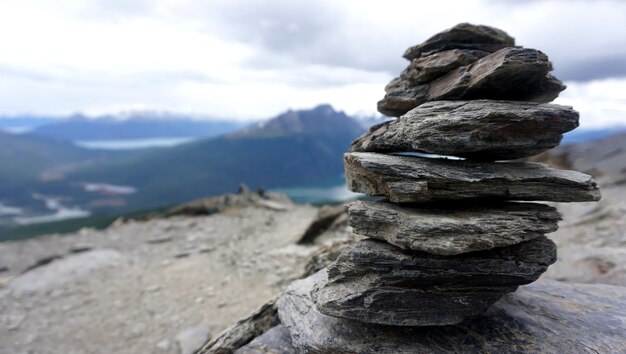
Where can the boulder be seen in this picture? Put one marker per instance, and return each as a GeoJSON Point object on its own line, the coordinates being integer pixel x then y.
{"type": "Point", "coordinates": [462, 36]}
{"type": "Point", "coordinates": [409, 179]}
{"type": "Point", "coordinates": [479, 129]}
{"type": "Point", "coordinates": [543, 317]}
{"type": "Point", "coordinates": [375, 282]}
{"type": "Point", "coordinates": [451, 230]}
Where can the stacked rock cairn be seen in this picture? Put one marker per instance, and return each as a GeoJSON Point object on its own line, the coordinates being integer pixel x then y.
{"type": "Point", "coordinates": [448, 236]}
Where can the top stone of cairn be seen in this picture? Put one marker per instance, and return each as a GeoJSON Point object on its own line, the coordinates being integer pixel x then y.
{"type": "Point", "coordinates": [469, 62]}
{"type": "Point", "coordinates": [462, 36]}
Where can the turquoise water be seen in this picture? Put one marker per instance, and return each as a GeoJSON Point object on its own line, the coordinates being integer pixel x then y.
{"type": "Point", "coordinates": [334, 190]}
{"type": "Point", "coordinates": [132, 144]}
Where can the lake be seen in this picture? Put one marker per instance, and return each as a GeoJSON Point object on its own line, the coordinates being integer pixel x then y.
{"type": "Point", "coordinates": [132, 144]}
{"type": "Point", "coordinates": [334, 190]}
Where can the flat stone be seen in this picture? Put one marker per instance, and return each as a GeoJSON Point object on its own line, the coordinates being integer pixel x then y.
{"type": "Point", "coordinates": [543, 317]}
{"type": "Point", "coordinates": [426, 69]}
{"type": "Point", "coordinates": [411, 179]}
{"type": "Point", "coordinates": [451, 230]}
{"type": "Point", "coordinates": [462, 36]}
{"type": "Point", "coordinates": [510, 73]}
{"type": "Point", "coordinates": [480, 129]}
{"type": "Point", "coordinates": [376, 282]}
{"type": "Point", "coordinates": [518, 74]}
{"type": "Point", "coordinates": [401, 96]}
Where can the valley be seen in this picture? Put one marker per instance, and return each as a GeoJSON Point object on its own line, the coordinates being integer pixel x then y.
{"type": "Point", "coordinates": [297, 152]}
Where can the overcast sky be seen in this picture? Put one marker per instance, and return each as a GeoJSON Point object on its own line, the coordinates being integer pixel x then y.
{"type": "Point", "coordinates": [253, 59]}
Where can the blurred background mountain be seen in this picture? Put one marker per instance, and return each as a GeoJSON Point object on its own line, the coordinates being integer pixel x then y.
{"type": "Point", "coordinates": [79, 166]}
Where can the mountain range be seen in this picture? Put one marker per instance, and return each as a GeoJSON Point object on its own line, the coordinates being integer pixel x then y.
{"type": "Point", "coordinates": [294, 148]}
{"type": "Point", "coordinates": [30, 164]}
{"type": "Point", "coordinates": [128, 125]}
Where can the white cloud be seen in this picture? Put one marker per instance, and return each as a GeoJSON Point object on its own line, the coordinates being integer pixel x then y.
{"type": "Point", "coordinates": [253, 59]}
{"type": "Point", "coordinates": [601, 103]}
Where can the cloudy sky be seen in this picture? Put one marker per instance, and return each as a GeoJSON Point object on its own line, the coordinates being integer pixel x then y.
{"type": "Point", "coordinates": [253, 59]}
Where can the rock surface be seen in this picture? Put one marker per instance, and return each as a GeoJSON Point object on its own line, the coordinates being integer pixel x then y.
{"type": "Point", "coordinates": [544, 317]}
{"type": "Point", "coordinates": [376, 282]}
{"type": "Point", "coordinates": [518, 74]}
{"type": "Point", "coordinates": [479, 129]}
{"type": "Point", "coordinates": [509, 74]}
{"type": "Point", "coordinates": [140, 300]}
{"type": "Point", "coordinates": [243, 331]}
{"type": "Point", "coordinates": [426, 69]}
{"type": "Point", "coordinates": [462, 36]}
{"type": "Point", "coordinates": [405, 179]}
{"type": "Point", "coordinates": [452, 230]}
{"type": "Point", "coordinates": [401, 96]}
{"type": "Point", "coordinates": [245, 198]}
{"type": "Point", "coordinates": [67, 269]}
{"type": "Point", "coordinates": [276, 340]}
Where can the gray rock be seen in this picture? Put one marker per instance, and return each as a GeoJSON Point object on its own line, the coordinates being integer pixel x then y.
{"type": "Point", "coordinates": [426, 69]}
{"type": "Point", "coordinates": [243, 331]}
{"type": "Point", "coordinates": [401, 96]}
{"type": "Point", "coordinates": [518, 74]}
{"type": "Point", "coordinates": [376, 282]}
{"type": "Point", "coordinates": [406, 179]}
{"type": "Point", "coordinates": [276, 340]}
{"type": "Point", "coordinates": [543, 317]}
{"type": "Point", "coordinates": [510, 73]}
{"type": "Point", "coordinates": [451, 230]}
{"type": "Point", "coordinates": [480, 129]}
{"type": "Point", "coordinates": [462, 36]}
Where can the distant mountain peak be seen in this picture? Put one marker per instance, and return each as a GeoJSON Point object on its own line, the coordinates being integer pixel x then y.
{"type": "Point", "coordinates": [322, 119]}
{"type": "Point", "coordinates": [324, 108]}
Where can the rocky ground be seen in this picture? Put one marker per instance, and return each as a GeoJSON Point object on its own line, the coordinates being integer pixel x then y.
{"type": "Point", "coordinates": [592, 236]}
{"type": "Point", "coordinates": [167, 285]}
{"type": "Point", "coordinates": [157, 286]}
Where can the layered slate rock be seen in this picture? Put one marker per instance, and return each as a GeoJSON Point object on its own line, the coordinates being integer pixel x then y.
{"type": "Point", "coordinates": [519, 74]}
{"type": "Point", "coordinates": [277, 340]}
{"type": "Point", "coordinates": [426, 69]}
{"type": "Point", "coordinates": [410, 179]}
{"type": "Point", "coordinates": [462, 36]}
{"type": "Point", "coordinates": [255, 325]}
{"type": "Point", "coordinates": [401, 96]}
{"type": "Point", "coordinates": [510, 73]}
{"type": "Point", "coordinates": [451, 230]}
{"type": "Point", "coordinates": [543, 317]}
{"type": "Point", "coordinates": [479, 129]}
{"type": "Point", "coordinates": [375, 282]}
